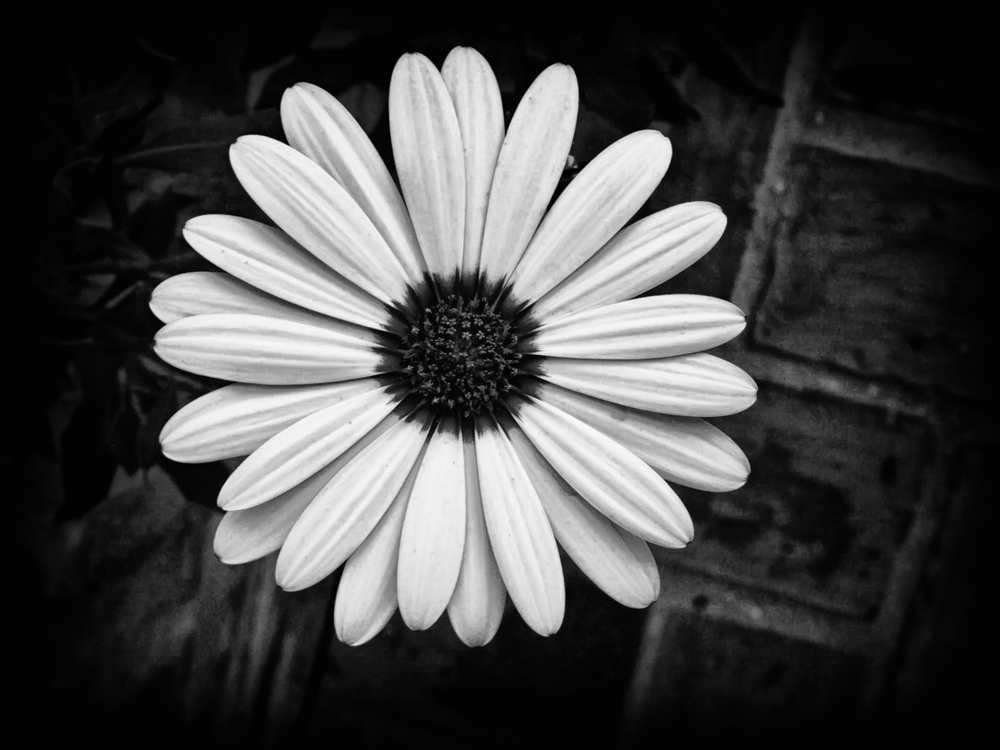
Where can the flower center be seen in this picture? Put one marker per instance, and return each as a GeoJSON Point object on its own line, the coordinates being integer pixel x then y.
{"type": "Point", "coordinates": [461, 355]}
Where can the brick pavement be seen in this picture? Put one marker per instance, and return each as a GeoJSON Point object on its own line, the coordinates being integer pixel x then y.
{"type": "Point", "coordinates": [835, 593]}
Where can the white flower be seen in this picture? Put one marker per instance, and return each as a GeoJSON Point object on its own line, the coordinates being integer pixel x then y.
{"type": "Point", "coordinates": [435, 389]}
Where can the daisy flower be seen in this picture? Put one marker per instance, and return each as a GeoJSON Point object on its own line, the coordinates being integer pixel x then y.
{"type": "Point", "coordinates": [434, 388]}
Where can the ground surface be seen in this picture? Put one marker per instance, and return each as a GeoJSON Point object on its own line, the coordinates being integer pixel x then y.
{"type": "Point", "coordinates": [840, 592]}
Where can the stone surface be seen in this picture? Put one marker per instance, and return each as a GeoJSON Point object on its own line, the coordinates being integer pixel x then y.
{"type": "Point", "coordinates": [884, 272]}
{"type": "Point", "coordinates": [911, 65]}
{"type": "Point", "coordinates": [148, 634]}
{"type": "Point", "coordinates": [406, 688]}
{"type": "Point", "coordinates": [827, 506]}
{"type": "Point", "coordinates": [842, 589]}
{"type": "Point", "coordinates": [789, 689]}
{"type": "Point", "coordinates": [720, 158]}
{"type": "Point", "coordinates": [948, 647]}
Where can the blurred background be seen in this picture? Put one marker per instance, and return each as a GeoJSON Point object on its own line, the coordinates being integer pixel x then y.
{"type": "Point", "coordinates": [841, 593]}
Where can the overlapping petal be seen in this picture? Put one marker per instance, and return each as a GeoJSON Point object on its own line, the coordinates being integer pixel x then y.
{"type": "Point", "coordinates": [269, 260]}
{"type": "Point", "coordinates": [477, 605]}
{"type": "Point", "coordinates": [686, 450]}
{"type": "Point", "coordinates": [366, 594]}
{"type": "Point", "coordinates": [433, 539]}
{"type": "Point", "coordinates": [346, 510]}
{"type": "Point", "coordinates": [319, 126]}
{"type": "Point", "coordinates": [476, 96]}
{"type": "Point", "coordinates": [319, 214]}
{"type": "Point", "coordinates": [519, 531]}
{"type": "Point", "coordinates": [619, 562]}
{"type": "Point", "coordinates": [267, 351]}
{"type": "Point", "coordinates": [299, 451]}
{"type": "Point", "coordinates": [594, 206]}
{"type": "Point", "coordinates": [237, 419]}
{"type": "Point", "coordinates": [637, 259]}
{"type": "Point", "coordinates": [427, 146]}
{"type": "Point", "coordinates": [693, 385]}
{"type": "Point", "coordinates": [646, 328]}
{"type": "Point", "coordinates": [609, 477]}
{"type": "Point", "coordinates": [245, 535]}
{"type": "Point", "coordinates": [532, 158]}
{"type": "Point", "coordinates": [214, 293]}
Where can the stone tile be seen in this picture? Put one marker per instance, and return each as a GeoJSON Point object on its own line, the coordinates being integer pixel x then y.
{"type": "Point", "coordinates": [146, 631]}
{"type": "Point", "coordinates": [828, 503]}
{"type": "Point", "coordinates": [928, 66]}
{"type": "Point", "coordinates": [884, 272]}
{"type": "Point", "coordinates": [948, 642]}
{"type": "Point", "coordinates": [416, 689]}
{"type": "Point", "coordinates": [968, 157]}
{"type": "Point", "coordinates": [721, 157]}
{"type": "Point", "coordinates": [714, 681]}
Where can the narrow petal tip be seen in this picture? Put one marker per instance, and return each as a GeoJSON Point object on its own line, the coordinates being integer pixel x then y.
{"type": "Point", "coordinates": [476, 638]}
{"type": "Point", "coordinates": [355, 634]}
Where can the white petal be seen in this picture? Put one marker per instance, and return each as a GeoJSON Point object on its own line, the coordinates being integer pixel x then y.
{"type": "Point", "coordinates": [366, 595]}
{"type": "Point", "coordinates": [520, 534]}
{"type": "Point", "coordinates": [476, 96]}
{"type": "Point", "coordinates": [245, 535]}
{"type": "Point", "coordinates": [430, 551]}
{"type": "Point", "coordinates": [319, 126]}
{"type": "Point", "coordinates": [532, 159]}
{"type": "Point", "coordinates": [315, 211]}
{"type": "Point", "coordinates": [620, 563]}
{"type": "Point", "coordinates": [204, 293]}
{"type": "Point", "coordinates": [609, 477]}
{"type": "Point", "coordinates": [215, 293]}
{"type": "Point", "coordinates": [693, 385]}
{"type": "Point", "coordinates": [638, 258]}
{"type": "Point", "coordinates": [346, 510]}
{"type": "Point", "coordinates": [427, 146]}
{"type": "Point", "coordinates": [237, 419]}
{"type": "Point", "coordinates": [645, 328]}
{"type": "Point", "coordinates": [268, 351]}
{"type": "Point", "coordinates": [476, 607]}
{"type": "Point", "coordinates": [686, 450]}
{"type": "Point", "coordinates": [268, 259]}
{"type": "Point", "coordinates": [299, 451]}
{"type": "Point", "coordinates": [595, 205]}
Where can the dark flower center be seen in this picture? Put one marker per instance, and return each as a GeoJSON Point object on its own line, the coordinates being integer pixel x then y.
{"type": "Point", "coordinates": [460, 355]}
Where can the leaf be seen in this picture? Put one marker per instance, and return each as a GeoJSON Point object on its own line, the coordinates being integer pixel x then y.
{"type": "Point", "coordinates": [126, 132]}
{"type": "Point", "coordinates": [89, 244]}
{"type": "Point", "coordinates": [657, 71]}
{"type": "Point", "coordinates": [717, 59]}
{"type": "Point", "coordinates": [202, 147]}
{"type": "Point", "coordinates": [278, 35]}
{"type": "Point", "coordinates": [199, 483]}
{"type": "Point", "coordinates": [367, 103]}
{"type": "Point", "coordinates": [88, 464]}
{"type": "Point", "coordinates": [153, 225]}
{"type": "Point", "coordinates": [147, 444]}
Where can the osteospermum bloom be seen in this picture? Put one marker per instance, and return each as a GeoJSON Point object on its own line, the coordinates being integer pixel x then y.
{"type": "Point", "coordinates": [433, 389]}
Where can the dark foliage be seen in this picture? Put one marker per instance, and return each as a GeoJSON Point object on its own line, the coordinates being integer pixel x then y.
{"type": "Point", "coordinates": [130, 123]}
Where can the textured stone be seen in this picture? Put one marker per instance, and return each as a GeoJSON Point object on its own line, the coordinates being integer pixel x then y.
{"type": "Point", "coordinates": [884, 272]}
{"type": "Point", "coordinates": [721, 157]}
{"type": "Point", "coordinates": [149, 635]}
{"type": "Point", "coordinates": [929, 66]}
{"type": "Point", "coordinates": [417, 689]}
{"type": "Point", "coordinates": [712, 680]}
{"type": "Point", "coordinates": [827, 506]}
{"type": "Point", "coordinates": [948, 645]}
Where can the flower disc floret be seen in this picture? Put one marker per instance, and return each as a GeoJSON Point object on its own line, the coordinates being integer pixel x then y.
{"type": "Point", "coordinates": [461, 355]}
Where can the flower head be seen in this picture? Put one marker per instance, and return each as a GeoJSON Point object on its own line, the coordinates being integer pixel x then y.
{"type": "Point", "coordinates": [433, 388]}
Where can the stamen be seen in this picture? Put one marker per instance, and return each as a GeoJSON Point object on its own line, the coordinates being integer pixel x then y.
{"type": "Point", "coordinates": [460, 355]}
